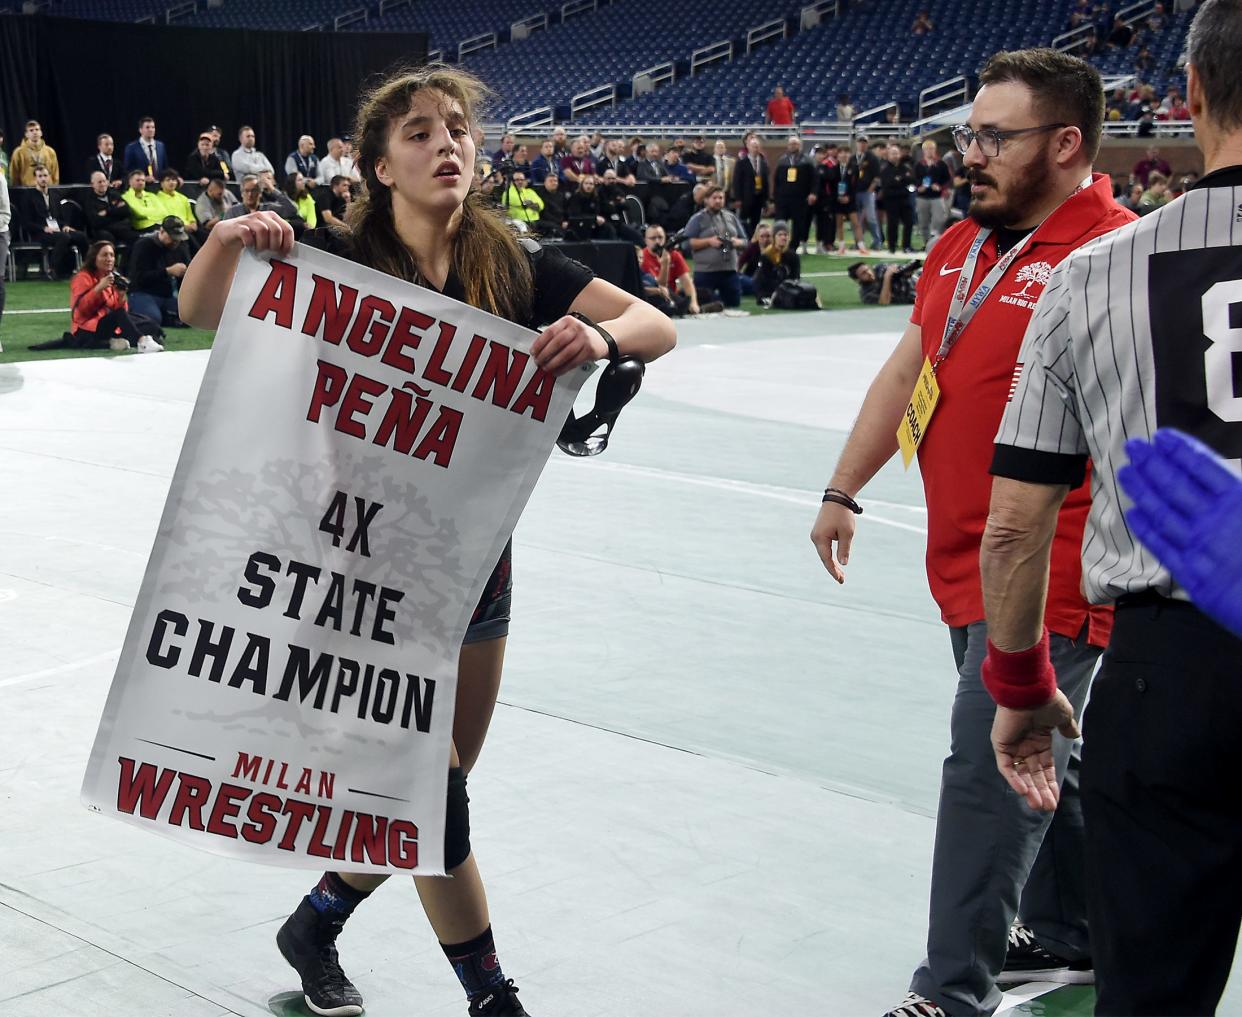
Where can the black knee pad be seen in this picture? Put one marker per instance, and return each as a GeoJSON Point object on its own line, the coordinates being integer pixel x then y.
{"type": "Point", "coordinates": [456, 820]}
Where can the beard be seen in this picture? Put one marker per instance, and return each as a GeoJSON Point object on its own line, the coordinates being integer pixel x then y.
{"type": "Point", "coordinates": [1028, 189]}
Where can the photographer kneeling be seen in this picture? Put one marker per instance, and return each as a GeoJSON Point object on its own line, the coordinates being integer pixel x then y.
{"type": "Point", "coordinates": [667, 283]}
{"type": "Point", "coordinates": [101, 318]}
{"type": "Point", "coordinates": [716, 236]}
{"type": "Point", "coordinates": [885, 284]}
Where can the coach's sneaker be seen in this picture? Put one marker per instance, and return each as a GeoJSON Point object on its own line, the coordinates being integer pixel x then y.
{"type": "Point", "coordinates": [1029, 961]}
{"type": "Point", "coordinates": [148, 345]}
{"type": "Point", "coordinates": [915, 1005]}
{"type": "Point", "coordinates": [498, 1001]}
{"type": "Point", "coordinates": [307, 941]}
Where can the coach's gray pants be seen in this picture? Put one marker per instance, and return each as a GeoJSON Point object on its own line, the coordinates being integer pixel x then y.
{"type": "Point", "coordinates": [990, 844]}
{"type": "Point", "coordinates": [932, 214]}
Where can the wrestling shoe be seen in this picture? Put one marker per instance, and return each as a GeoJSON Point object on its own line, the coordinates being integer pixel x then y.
{"type": "Point", "coordinates": [307, 941]}
{"type": "Point", "coordinates": [915, 1005]}
{"type": "Point", "coordinates": [1029, 961]}
{"type": "Point", "coordinates": [498, 1001]}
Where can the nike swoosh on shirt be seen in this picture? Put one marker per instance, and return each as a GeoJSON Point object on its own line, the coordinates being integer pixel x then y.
{"type": "Point", "coordinates": [949, 271]}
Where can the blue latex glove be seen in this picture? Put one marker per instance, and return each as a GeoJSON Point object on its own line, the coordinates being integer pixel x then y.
{"type": "Point", "coordinates": [1188, 512]}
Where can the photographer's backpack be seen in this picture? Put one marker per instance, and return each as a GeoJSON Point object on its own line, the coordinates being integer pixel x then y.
{"type": "Point", "coordinates": [794, 295]}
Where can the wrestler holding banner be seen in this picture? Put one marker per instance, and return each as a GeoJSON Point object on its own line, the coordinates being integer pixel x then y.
{"type": "Point", "coordinates": [438, 406]}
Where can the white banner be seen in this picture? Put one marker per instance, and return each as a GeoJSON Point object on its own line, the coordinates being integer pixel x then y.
{"type": "Point", "coordinates": [359, 454]}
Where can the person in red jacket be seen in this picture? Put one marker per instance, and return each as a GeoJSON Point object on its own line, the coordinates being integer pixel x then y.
{"type": "Point", "coordinates": [97, 298]}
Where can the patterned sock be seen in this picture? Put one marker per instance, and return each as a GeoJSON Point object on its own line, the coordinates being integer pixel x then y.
{"type": "Point", "coordinates": [475, 963]}
{"type": "Point", "coordinates": [333, 896]}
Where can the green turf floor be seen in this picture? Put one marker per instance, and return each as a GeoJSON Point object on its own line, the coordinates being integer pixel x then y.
{"type": "Point", "coordinates": [1067, 1001]}
{"type": "Point", "coordinates": [18, 330]}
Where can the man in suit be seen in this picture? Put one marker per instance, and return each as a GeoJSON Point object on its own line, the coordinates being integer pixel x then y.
{"type": "Point", "coordinates": [652, 167]}
{"type": "Point", "coordinates": [146, 154]}
{"type": "Point", "coordinates": [722, 167]}
{"type": "Point", "coordinates": [751, 185]}
{"type": "Point", "coordinates": [104, 161]}
{"type": "Point", "coordinates": [42, 218]}
{"type": "Point", "coordinates": [105, 214]}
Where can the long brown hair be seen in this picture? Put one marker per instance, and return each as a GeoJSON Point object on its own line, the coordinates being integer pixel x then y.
{"type": "Point", "coordinates": [493, 269]}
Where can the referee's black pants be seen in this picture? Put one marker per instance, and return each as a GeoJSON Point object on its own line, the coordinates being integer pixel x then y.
{"type": "Point", "coordinates": [1162, 801]}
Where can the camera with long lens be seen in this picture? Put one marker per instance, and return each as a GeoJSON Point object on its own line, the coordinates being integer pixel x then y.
{"type": "Point", "coordinates": [909, 268]}
{"type": "Point", "coordinates": [672, 243]}
{"type": "Point", "coordinates": [119, 281]}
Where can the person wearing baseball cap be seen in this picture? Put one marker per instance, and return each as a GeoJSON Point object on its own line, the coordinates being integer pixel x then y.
{"type": "Point", "coordinates": [156, 261]}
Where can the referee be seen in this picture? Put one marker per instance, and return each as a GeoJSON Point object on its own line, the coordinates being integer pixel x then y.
{"type": "Point", "coordinates": [1142, 329]}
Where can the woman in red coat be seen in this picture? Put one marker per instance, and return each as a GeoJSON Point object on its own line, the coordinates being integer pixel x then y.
{"type": "Point", "coordinates": [100, 307]}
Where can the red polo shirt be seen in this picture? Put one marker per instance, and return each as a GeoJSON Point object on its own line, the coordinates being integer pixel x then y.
{"type": "Point", "coordinates": [974, 385]}
{"type": "Point", "coordinates": [781, 111]}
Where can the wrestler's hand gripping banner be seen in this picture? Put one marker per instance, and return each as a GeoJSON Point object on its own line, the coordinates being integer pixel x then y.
{"type": "Point", "coordinates": [360, 452]}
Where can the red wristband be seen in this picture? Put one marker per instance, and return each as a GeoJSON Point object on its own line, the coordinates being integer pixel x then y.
{"type": "Point", "coordinates": [1022, 680]}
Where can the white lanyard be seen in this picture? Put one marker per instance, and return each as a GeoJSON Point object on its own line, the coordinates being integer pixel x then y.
{"type": "Point", "coordinates": [962, 311]}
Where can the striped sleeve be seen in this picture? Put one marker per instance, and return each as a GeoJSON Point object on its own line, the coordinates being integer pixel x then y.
{"type": "Point", "coordinates": [1040, 438]}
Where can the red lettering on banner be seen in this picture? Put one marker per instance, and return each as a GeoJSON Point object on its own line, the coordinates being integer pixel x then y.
{"type": "Point", "coordinates": [261, 813]}
{"type": "Point", "coordinates": [464, 373]}
{"type": "Point", "coordinates": [359, 398]}
{"type": "Point", "coordinates": [404, 337]}
{"type": "Point", "coordinates": [370, 838]}
{"type": "Point", "coordinates": [317, 847]}
{"type": "Point", "coordinates": [297, 812]}
{"type": "Point", "coordinates": [329, 384]}
{"type": "Point", "coordinates": [374, 319]}
{"type": "Point", "coordinates": [234, 811]}
{"type": "Point", "coordinates": [247, 767]}
{"type": "Point", "coordinates": [487, 370]}
{"type": "Point", "coordinates": [327, 312]}
{"type": "Point", "coordinates": [192, 794]}
{"type": "Point", "coordinates": [139, 789]}
{"type": "Point", "coordinates": [404, 418]}
{"type": "Point", "coordinates": [438, 445]}
{"type": "Point", "coordinates": [501, 374]}
{"type": "Point", "coordinates": [402, 844]}
{"type": "Point", "coordinates": [536, 397]}
{"type": "Point", "coordinates": [276, 297]}
{"type": "Point", "coordinates": [342, 836]}
{"type": "Point", "coordinates": [434, 372]}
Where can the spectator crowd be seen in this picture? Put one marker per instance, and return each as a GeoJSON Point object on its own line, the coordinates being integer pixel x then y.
{"type": "Point", "coordinates": [696, 214]}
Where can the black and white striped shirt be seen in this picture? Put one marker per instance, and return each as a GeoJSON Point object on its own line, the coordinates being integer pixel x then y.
{"type": "Point", "coordinates": [1137, 330]}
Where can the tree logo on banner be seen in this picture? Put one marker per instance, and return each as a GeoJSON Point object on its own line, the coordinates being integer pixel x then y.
{"type": "Point", "coordinates": [1038, 272]}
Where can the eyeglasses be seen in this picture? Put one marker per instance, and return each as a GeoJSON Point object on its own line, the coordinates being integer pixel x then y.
{"type": "Point", "coordinates": [990, 138]}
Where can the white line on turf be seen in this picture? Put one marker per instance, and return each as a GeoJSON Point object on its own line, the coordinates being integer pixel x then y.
{"type": "Point", "coordinates": [787, 494]}
{"type": "Point", "coordinates": [43, 310]}
{"type": "Point", "coordinates": [51, 672]}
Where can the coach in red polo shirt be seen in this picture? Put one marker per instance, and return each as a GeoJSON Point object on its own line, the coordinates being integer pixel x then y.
{"type": "Point", "coordinates": [1007, 895]}
{"type": "Point", "coordinates": [780, 108]}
